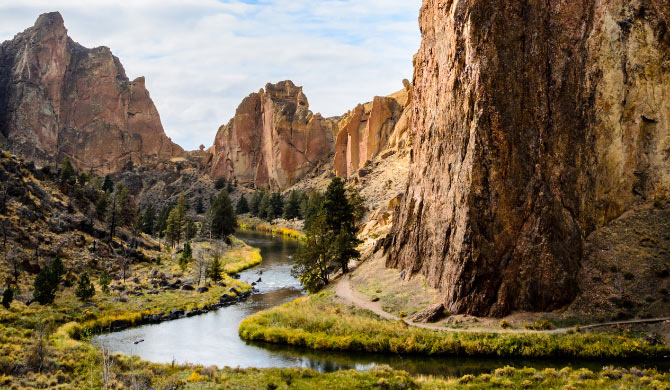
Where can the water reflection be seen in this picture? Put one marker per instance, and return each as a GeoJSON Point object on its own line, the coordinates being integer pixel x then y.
{"type": "Point", "coordinates": [212, 338]}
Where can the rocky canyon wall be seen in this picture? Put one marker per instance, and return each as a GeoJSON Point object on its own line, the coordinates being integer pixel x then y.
{"type": "Point", "coordinates": [533, 123]}
{"type": "Point", "coordinates": [60, 99]}
{"type": "Point", "coordinates": [367, 129]}
{"type": "Point", "coordinates": [274, 140]}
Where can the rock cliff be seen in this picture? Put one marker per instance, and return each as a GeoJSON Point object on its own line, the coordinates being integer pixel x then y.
{"type": "Point", "coordinates": [366, 130]}
{"type": "Point", "coordinates": [274, 140]}
{"type": "Point", "coordinates": [533, 124]}
{"type": "Point", "coordinates": [61, 99]}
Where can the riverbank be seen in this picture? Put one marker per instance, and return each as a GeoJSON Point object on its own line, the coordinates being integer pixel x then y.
{"type": "Point", "coordinates": [324, 322]}
{"type": "Point", "coordinates": [278, 227]}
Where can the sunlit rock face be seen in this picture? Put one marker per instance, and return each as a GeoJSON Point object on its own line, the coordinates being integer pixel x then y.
{"type": "Point", "coordinates": [369, 129]}
{"type": "Point", "coordinates": [60, 99]}
{"type": "Point", "coordinates": [533, 123]}
{"type": "Point", "coordinates": [273, 140]}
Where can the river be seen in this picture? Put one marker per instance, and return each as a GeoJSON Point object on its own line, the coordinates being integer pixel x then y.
{"type": "Point", "coordinates": [212, 338]}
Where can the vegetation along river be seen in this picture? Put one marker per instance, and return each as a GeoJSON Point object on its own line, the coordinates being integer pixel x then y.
{"type": "Point", "coordinates": [212, 338]}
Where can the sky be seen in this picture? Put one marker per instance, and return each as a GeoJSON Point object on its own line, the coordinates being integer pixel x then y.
{"type": "Point", "coordinates": [202, 57]}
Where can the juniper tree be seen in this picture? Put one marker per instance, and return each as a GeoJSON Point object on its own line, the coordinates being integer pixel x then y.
{"type": "Point", "coordinates": [242, 206]}
{"type": "Point", "coordinates": [214, 271]}
{"type": "Point", "coordinates": [85, 289]}
{"type": "Point", "coordinates": [223, 216]}
{"type": "Point", "coordinates": [7, 297]}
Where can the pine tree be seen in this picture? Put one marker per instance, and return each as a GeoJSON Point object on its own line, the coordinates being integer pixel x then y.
{"type": "Point", "coordinates": [108, 184]}
{"type": "Point", "coordinates": [47, 281]}
{"type": "Point", "coordinates": [277, 204]}
{"type": "Point", "coordinates": [190, 229]}
{"type": "Point", "coordinates": [173, 228]}
{"type": "Point", "coordinates": [223, 216]}
{"type": "Point", "coordinates": [148, 220]}
{"type": "Point", "coordinates": [7, 297]}
{"type": "Point", "coordinates": [66, 172]}
{"type": "Point", "coordinates": [125, 208]}
{"type": "Point", "coordinates": [161, 222]}
{"type": "Point", "coordinates": [313, 259]}
{"type": "Point", "coordinates": [264, 207]}
{"type": "Point", "coordinates": [254, 206]}
{"type": "Point", "coordinates": [214, 271]}
{"type": "Point", "coordinates": [101, 205]}
{"type": "Point", "coordinates": [186, 256]}
{"type": "Point", "coordinates": [340, 219]}
{"type": "Point", "coordinates": [104, 281]}
{"type": "Point", "coordinates": [242, 206]}
{"type": "Point", "coordinates": [314, 205]}
{"type": "Point", "coordinates": [199, 206]}
{"type": "Point", "coordinates": [292, 206]}
{"type": "Point", "coordinates": [85, 289]}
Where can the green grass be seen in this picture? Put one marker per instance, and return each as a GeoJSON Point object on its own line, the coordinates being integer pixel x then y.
{"type": "Point", "coordinates": [320, 322]}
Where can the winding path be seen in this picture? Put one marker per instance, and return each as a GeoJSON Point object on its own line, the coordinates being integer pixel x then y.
{"type": "Point", "coordinates": [343, 290]}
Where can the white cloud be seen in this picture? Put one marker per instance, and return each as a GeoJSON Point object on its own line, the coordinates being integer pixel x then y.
{"type": "Point", "coordinates": [201, 57]}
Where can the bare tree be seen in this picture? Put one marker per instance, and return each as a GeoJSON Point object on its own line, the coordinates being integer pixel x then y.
{"type": "Point", "coordinates": [13, 259]}
{"type": "Point", "coordinates": [38, 355]}
{"type": "Point", "coordinates": [106, 363]}
{"type": "Point", "coordinates": [201, 264]}
{"type": "Point", "coordinates": [126, 263]}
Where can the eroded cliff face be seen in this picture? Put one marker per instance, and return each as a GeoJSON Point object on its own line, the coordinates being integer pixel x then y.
{"type": "Point", "coordinates": [61, 99]}
{"type": "Point", "coordinates": [368, 129]}
{"type": "Point", "coordinates": [274, 140]}
{"type": "Point", "coordinates": [533, 123]}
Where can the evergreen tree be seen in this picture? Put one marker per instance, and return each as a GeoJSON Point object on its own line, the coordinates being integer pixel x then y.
{"type": "Point", "coordinates": [314, 258]}
{"type": "Point", "coordinates": [220, 183]}
{"type": "Point", "coordinates": [341, 222]}
{"type": "Point", "coordinates": [186, 256]}
{"type": "Point", "coordinates": [223, 216]}
{"type": "Point", "coordinates": [101, 205]}
{"type": "Point", "coordinates": [104, 281]}
{"type": "Point", "coordinates": [47, 281]}
{"type": "Point", "coordinates": [199, 206]}
{"type": "Point", "coordinates": [254, 206]}
{"type": "Point", "coordinates": [66, 172]}
{"type": "Point", "coordinates": [214, 271]}
{"type": "Point", "coordinates": [173, 228]}
{"type": "Point", "coordinates": [108, 184]}
{"type": "Point", "coordinates": [190, 229]}
{"type": "Point", "coordinates": [85, 289]}
{"type": "Point", "coordinates": [264, 207]}
{"type": "Point", "coordinates": [7, 297]}
{"type": "Point", "coordinates": [148, 220]}
{"type": "Point", "coordinates": [314, 205]}
{"type": "Point", "coordinates": [161, 222]}
{"type": "Point", "coordinates": [125, 208]}
{"type": "Point", "coordinates": [242, 206]}
{"type": "Point", "coordinates": [304, 201]}
{"type": "Point", "coordinates": [277, 204]}
{"type": "Point", "coordinates": [292, 206]}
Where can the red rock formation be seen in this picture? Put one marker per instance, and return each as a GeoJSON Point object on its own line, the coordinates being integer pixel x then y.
{"type": "Point", "coordinates": [274, 139]}
{"type": "Point", "coordinates": [61, 99]}
{"type": "Point", "coordinates": [365, 131]}
{"type": "Point", "coordinates": [533, 123]}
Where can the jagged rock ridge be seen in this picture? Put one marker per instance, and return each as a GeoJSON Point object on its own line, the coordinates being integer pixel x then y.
{"type": "Point", "coordinates": [368, 129]}
{"type": "Point", "coordinates": [61, 99]}
{"type": "Point", "coordinates": [534, 123]}
{"type": "Point", "coordinates": [274, 140]}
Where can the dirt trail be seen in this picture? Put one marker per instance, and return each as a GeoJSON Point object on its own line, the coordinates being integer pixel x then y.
{"type": "Point", "coordinates": [344, 290]}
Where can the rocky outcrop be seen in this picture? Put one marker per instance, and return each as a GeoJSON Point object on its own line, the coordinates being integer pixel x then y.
{"type": "Point", "coordinates": [367, 130]}
{"type": "Point", "coordinates": [274, 139]}
{"type": "Point", "coordinates": [60, 99]}
{"type": "Point", "coordinates": [533, 123]}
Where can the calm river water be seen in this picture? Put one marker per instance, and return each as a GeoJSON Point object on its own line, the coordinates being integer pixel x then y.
{"type": "Point", "coordinates": [212, 338]}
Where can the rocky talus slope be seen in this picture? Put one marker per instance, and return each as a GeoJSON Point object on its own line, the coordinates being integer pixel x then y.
{"type": "Point", "coordinates": [533, 123]}
{"type": "Point", "coordinates": [59, 99]}
{"type": "Point", "coordinates": [274, 140]}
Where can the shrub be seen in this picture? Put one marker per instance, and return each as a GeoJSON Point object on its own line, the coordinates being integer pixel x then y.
{"type": "Point", "coordinates": [504, 324]}
{"type": "Point", "coordinates": [85, 289]}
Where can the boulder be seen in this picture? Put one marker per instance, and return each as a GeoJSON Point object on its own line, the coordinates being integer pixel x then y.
{"type": "Point", "coordinates": [187, 287]}
{"type": "Point", "coordinates": [432, 313]}
{"type": "Point", "coordinates": [201, 290]}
